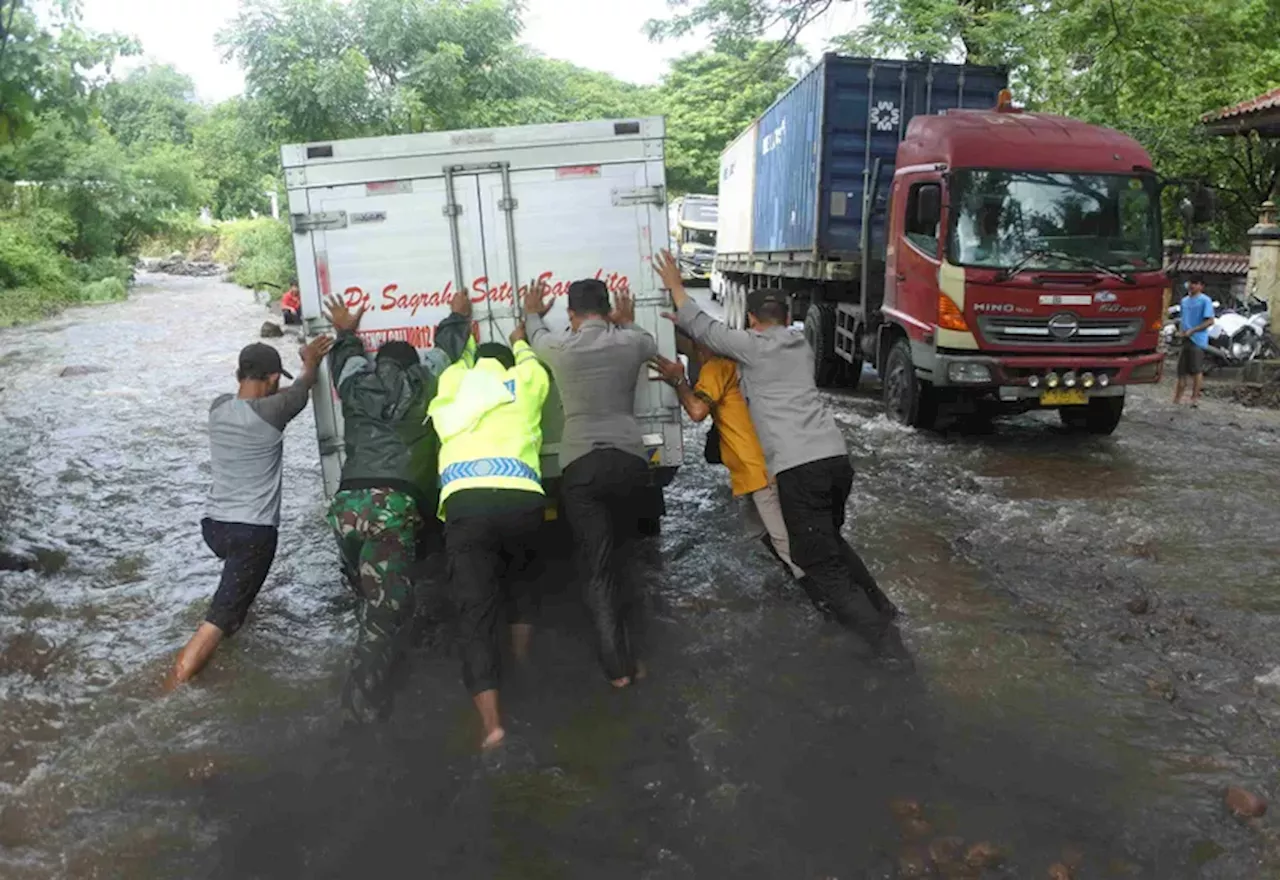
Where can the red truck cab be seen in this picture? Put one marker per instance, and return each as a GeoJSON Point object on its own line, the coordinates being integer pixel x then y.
{"type": "Point", "coordinates": [1023, 269]}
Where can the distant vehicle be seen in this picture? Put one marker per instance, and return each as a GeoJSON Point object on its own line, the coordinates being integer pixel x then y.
{"type": "Point", "coordinates": [983, 259]}
{"type": "Point", "coordinates": [400, 223]}
{"type": "Point", "coordinates": [693, 231]}
{"type": "Point", "coordinates": [1239, 334]}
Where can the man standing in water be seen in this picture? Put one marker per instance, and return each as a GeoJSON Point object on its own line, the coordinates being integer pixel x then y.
{"type": "Point", "coordinates": [1196, 318]}
{"type": "Point", "coordinates": [805, 451]}
{"type": "Point", "coordinates": [488, 415]}
{"type": "Point", "coordinates": [378, 510]}
{"type": "Point", "coordinates": [246, 444]}
{"type": "Point", "coordinates": [602, 458]}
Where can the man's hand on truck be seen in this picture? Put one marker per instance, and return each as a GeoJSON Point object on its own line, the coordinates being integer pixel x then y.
{"type": "Point", "coordinates": [519, 334]}
{"type": "Point", "coordinates": [669, 271]}
{"type": "Point", "coordinates": [536, 300]}
{"type": "Point", "coordinates": [341, 317]}
{"type": "Point", "coordinates": [461, 304]}
{"type": "Point", "coordinates": [624, 310]}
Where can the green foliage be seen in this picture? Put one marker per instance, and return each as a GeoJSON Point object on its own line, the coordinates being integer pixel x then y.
{"type": "Point", "coordinates": [26, 260]}
{"type": "Point", "coordinates": [259, 252]}
{"type": "Point", "coordinates": [150, 107]}
{"type": "Point", "coordinates": [235, 154]}
{"type": "Point", "coordinates": [709, 98]}
{"type": "Point", "coordinates": [104, 290]}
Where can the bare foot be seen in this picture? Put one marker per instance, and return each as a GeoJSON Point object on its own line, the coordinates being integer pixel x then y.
{"type": "Point", "coordinates": [493, 739]}
{"type": "Point", "coordinates": [621, 683]}
{"type": "Point", "coordinates": [193, 657]}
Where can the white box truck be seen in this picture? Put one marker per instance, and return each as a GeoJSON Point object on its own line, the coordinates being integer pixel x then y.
{"type": "Point", "coordinates": [399, 224]}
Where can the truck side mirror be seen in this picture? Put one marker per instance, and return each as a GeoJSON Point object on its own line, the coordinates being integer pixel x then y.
{"type": "Point", "coordinates": [1204, 205]}
{"type": "Point", "coordinates": [928, 207]}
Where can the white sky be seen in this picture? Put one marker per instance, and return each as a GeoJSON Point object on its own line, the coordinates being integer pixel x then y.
{"type": "Point", "coordinates": [181, 33]}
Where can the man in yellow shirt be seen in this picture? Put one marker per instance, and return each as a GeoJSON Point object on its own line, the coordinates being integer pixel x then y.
{"type": "Point", "coordinates": [488, 414]}
{"type": "Point", "coordinates": [718, 395]}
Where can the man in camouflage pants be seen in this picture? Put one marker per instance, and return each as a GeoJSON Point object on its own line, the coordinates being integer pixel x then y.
{"type": "Point", "coordinates": [383, 502]}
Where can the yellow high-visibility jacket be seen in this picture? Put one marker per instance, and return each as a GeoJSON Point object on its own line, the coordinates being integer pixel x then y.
{"type": "Point", "coordinates": [489, 421]}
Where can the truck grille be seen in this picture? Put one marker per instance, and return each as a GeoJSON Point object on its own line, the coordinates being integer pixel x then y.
{"type": "Point", "coordinates": [1054, 330]}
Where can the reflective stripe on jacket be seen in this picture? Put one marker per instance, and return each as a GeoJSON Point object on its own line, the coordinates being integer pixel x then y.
{"type": "Point", "coordinates": [489, 420]}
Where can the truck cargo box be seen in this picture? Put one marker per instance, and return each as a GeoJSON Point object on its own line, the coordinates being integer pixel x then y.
{"type": "Point", "coordinates": [400, 223]}
{"type": "Point", "coordinates": [737, 187]}
{"type": "Point", "coordinates": [816, 146]}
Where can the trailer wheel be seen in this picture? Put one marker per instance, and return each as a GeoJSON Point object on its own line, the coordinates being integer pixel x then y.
{"type": "Point", "coordinates": [907, 398]}
{"type": "Point", "coordinates": [820, 333]}
{"type": "Point", "coordinates": [1099, 416]}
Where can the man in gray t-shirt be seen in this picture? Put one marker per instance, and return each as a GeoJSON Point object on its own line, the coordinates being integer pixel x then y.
{"type": "Point", "coordinates": [246, 445]}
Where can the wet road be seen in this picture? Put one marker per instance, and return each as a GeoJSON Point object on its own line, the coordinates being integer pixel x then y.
{"type": "Point", "coordinates": [1044, 717]}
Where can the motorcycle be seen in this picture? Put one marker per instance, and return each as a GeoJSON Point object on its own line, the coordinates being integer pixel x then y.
{"type": "Point", "coordinates": [1238, 335]}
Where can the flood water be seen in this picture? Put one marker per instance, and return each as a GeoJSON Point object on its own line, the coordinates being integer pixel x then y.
{"type": "Point", "coordinates": [1044, 717]}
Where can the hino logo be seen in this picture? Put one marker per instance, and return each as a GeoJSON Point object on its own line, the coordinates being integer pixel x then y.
{"type": "Point", "coordinates": [993, 307]}
{"type": "Point", "coordinates": [1104, 296]}
{"type": "Point", "coordinates": [1063, 325]}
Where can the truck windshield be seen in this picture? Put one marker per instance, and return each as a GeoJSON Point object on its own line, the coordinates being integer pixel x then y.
{"type": "Point", "coordinates": [700, 212]}
{"type": "Point", "coordinates": [700, 236]}
{"type": "Point", "coordinates": [1053, 220]}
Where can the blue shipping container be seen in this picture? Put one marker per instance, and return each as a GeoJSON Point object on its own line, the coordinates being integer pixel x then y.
{"type": "Point", "coordinates": [820, 140]}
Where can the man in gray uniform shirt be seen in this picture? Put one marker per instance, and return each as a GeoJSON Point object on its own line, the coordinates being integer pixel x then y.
{"type": "Point", "coordinates": [602, 458]}
{"type": "Point", "coordinates": [246, 443]}
{"type": "Point", "coordinates": [804, 449]}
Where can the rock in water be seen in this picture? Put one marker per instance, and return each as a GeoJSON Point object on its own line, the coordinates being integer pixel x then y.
{"type": "Point", "coordinates": [81, 370]}
{"type": "Point", "coordinates": [271, 330]}
{"type": "Point", "coordinates": [1138, 605]}
{"type": "Point", "coordinates": [1245, 804]}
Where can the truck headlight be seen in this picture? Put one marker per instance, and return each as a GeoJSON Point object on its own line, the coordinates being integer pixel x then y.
{"type": "Point", "coordinates": [1051, 380]}
{"type": "Point", "coordinates": [1069, 379]}
{"type": "Point", "coordinates": [969, 374]}
{"type": "Point", "coordinates": [1087, 380]}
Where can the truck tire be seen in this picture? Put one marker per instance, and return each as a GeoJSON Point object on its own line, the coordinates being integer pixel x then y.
{"type": "Point", "coordinates": [851, 373]}
{"type": "Point", "coordinates": [907, 398]}
{"type": "Point", "coordinates": [1099, 416]}
{"type": "Point", "coordinates": [820, 333]}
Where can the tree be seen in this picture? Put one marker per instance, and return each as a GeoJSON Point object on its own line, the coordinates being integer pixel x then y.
{"type": "Point", "coordinates": [709, 98]}
{"type": "Point", "coordinates": [45, 68]}
{"type": "Point", "coordinates": [153, 105]}
{"type": "Point", "coordinates": [735, 25]}
{"type": "Point", "coordinates": [235, 154]}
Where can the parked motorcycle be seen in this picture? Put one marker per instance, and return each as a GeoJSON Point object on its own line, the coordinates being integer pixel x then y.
{"type": "Point", "coordinates": [1238, 335]}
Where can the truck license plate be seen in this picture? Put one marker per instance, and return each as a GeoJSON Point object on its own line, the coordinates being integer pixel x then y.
{"type": "Point", "coordinates": [1064, 397]}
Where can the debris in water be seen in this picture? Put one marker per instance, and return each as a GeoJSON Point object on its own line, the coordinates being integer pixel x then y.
{"type": "Point", "coordinates": [1138, 605]}
{"type": "Point", "coordinates": [913, 863]}
{"type": "Point", "coordinates": [983, 855]}
{"type": "Point", "coordinates": [1245, 804]}
{"type": "Point", "coordinates": [946, 851]}
{"type": "Point", "coordinates": [905, 808]}
{"type": "Point", "coordinates": [80, 370]}
{"type": "Point", "coordinates": [271, 330]}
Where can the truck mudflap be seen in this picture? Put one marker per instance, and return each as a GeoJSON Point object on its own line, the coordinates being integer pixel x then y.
{"type": "Point", "coordinates": [1013, 376]}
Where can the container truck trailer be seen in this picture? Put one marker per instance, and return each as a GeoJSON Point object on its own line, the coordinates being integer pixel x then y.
{"type": "Point", "coordinates": [980, 258]}
{"type": "Point", "coordinates": [398, 224]}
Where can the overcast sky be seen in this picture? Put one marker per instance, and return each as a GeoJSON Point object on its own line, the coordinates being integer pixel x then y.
{"type": "Point", "coordinates": [181, 33]}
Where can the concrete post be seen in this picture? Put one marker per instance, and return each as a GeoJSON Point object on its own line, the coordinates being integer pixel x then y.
{"type": "Point", "coordinates": [1172, 248]}
{"type": "Point", "coordinates": [1264, 261]}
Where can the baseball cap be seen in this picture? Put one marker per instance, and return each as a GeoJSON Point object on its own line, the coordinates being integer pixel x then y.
{"type": "Point", "coordinates": [259, 360]}
{"type": "Point", "coordinates": [758, 299]}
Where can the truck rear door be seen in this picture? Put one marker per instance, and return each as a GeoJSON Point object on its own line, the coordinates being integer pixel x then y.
{"type": "Point", "coordinates": [403, 247]}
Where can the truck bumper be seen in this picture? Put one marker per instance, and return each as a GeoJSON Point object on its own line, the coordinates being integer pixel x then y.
{"type": "Point", "coordinates": [1011, 375]}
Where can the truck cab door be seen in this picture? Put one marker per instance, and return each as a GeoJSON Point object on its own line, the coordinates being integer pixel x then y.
{"type": "Point", "coordinates": [914, 255]}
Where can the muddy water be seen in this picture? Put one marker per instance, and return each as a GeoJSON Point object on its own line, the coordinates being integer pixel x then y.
{"type": "Point", "coordinates": [1043, 717]}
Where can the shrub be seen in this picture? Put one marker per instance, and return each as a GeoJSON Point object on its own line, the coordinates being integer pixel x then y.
{"type": "Point", "coordinates": [100, 268]}
{"type": "Point", "coordinates": [104, 290]}
{"type": "Point", "coordinates": [259, 252]}
{"type": "Point", "coordinates": [26, 261]}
